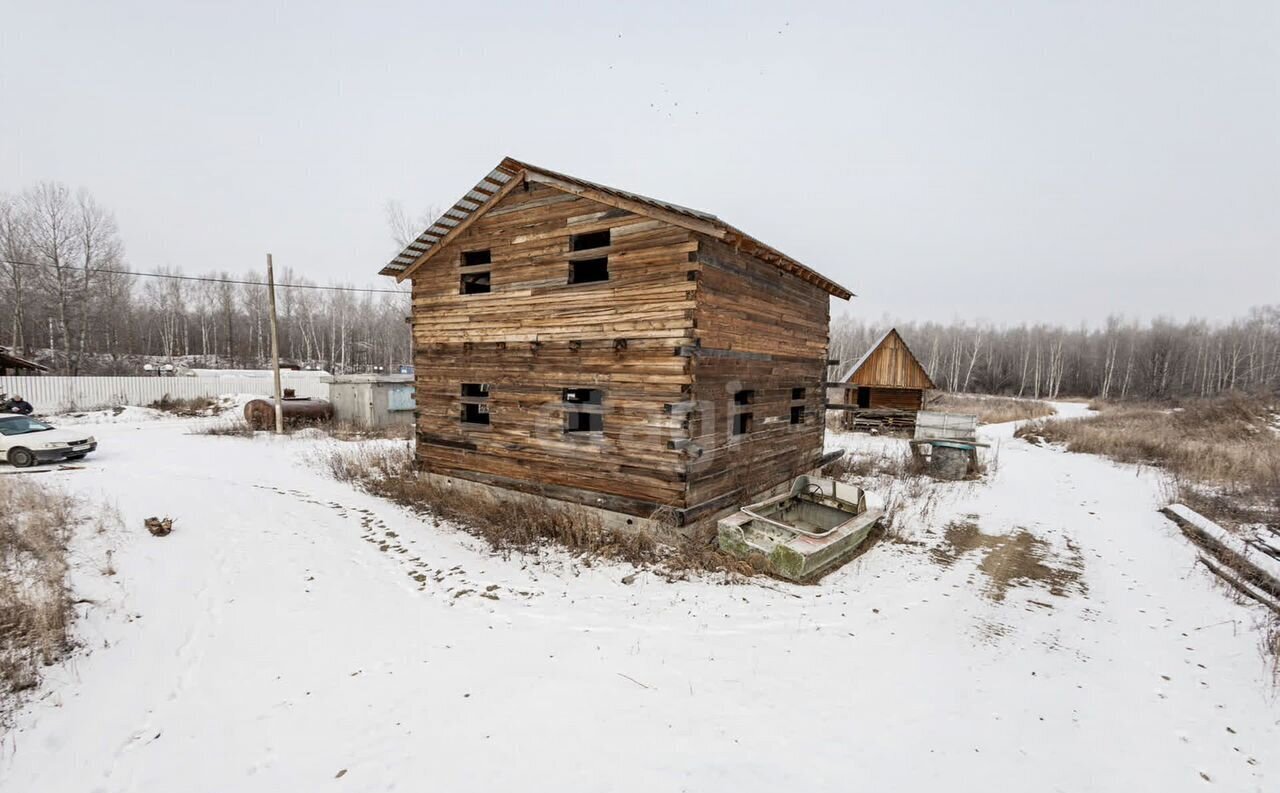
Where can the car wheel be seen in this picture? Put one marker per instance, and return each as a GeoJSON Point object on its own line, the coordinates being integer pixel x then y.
{"type": "Point", "coordinates": [21, 458]}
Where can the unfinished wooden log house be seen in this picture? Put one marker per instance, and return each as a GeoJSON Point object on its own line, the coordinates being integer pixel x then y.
{"type": "Point", "coordinates": [884, 389]}
{"type": "Point", "coordinates": [596, 346]}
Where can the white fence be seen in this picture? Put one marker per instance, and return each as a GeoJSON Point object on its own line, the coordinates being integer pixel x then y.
{"type": "Point", "coordinates": [66, 394]}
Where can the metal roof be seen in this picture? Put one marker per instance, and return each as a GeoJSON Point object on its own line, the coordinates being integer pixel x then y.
{"type": "Point", "coordinates": [475, 198]}
{"type": "Point", "coordinates": [10, 361]}
{"type": "Point", "coordinates": [490, 189]}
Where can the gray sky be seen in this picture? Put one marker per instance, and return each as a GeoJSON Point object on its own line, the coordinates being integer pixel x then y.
{"type": "Point", "coordinates": [1011, 161]}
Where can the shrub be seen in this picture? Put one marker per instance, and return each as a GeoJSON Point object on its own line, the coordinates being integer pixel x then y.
{"type": "Point", "coordinates": [235, 428]}
{"type": "Point", "coordinates": [192, 406]}
{"type": "Point", "coordinates": [523, 523]}
{"type": "Point", "coordinates": [1222, 453]}
{"type": "Point", "coordinates": [35, 604]}
{"type": "Point", "coordinates": [992, 409]}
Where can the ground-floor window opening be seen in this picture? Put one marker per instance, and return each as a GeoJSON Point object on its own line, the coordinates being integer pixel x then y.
{"type": "Point", "coordinates": [583, 410]}
{"type": "Point", "coordinates": [740, 423]}
{"type": "Point", "coordinates": [797, 405]}
{"type": "Point", "coordinates": [475, 403]}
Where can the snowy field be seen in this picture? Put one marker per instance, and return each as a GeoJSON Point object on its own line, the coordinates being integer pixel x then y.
{"type": "Point", "coordinates": [294, 634]}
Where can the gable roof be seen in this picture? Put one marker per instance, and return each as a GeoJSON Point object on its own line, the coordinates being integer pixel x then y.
{"type": "Point", "coordinates": [866, 356]}
{"type": "Point", "coordinates": [509, 173]}
{"type": "Point", "coordinates": [10, 361]}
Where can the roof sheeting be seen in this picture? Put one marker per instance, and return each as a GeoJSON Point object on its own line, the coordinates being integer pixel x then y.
{"type": "Point", "coordinates": [489, 190]}
{"type": "Point", "coordinates": [475, 198]}
{"type": "Point", "coordinates": [10, 361]}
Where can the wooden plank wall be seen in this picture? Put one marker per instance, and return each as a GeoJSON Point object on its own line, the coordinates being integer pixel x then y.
{"type": "Point", "coordinates": [892, 365]}
{"type": "Point", "coordinates": [535, 334]}
{"type": "Point", "coordinates": [763, 330]}
{"type": "Point", "coordinates": [897, 398]}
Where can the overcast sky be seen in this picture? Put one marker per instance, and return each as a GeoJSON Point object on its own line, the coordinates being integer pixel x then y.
{"type": "Point", "coordinates": [1011, 162]}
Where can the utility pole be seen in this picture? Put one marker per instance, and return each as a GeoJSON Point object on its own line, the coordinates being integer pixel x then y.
{"type": "Point", "coordinates": [275, 347]}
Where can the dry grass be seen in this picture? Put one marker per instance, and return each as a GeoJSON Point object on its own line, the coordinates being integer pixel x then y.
{"type": "Point", "coordinates": [991, 409]}
{"type": "Point", "coordinates": [237, 427]}
{"type": "Point", "coordinates": [231, 428]}
{"type": "Point", "coordinates": [1223, 453]}
{"type": "Point", "coordinates": [896, 477]}
{"type": "Point", "coordinates": [522, 523]}
{"type": "Point", "coordinates": [348, 431]}
{"type": "Point", "coordinates": [35, 603]}
{"type": "Point", "coordinates": [894, 461]}
{"type": "Point", "coordinates": [193, 406]}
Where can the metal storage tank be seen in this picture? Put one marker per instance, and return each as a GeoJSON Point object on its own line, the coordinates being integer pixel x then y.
{"type": "Point", "coordinates": [372, 400]}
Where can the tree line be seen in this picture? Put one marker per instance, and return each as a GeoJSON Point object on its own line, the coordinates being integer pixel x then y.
{"type": "Point", "coordinates": [69, 307]}
{"type": "Point", "coordinates": [1122, 359]}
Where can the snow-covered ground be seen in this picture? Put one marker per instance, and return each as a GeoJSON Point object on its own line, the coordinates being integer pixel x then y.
{"type": "Point", "coordinates": [293, 634]}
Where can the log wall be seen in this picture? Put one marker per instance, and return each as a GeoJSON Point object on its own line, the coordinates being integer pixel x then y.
{"type": "Point", "coordinates": [765, 331]}
{"type": "Point", "coordinates": [896, 398]}
{"type": "Point", "coordinates": [534, 335]}
{"type": "Point", "coordinates": [683, 323]}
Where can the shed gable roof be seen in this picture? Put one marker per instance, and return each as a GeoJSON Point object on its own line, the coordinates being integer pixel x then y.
{"type": "Point", "coordinates": [912, 361]}
{"type": "Point", "coordinates": [509, 173]}
{"type": "Point", "coordinates": [10, 361]}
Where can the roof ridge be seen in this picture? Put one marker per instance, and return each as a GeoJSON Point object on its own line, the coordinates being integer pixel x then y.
{"type": "Point", "coordinates": [499, 181]}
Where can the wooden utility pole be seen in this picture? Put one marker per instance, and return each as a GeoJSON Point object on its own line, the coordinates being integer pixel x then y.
{"type": "Point", "coordinates": [275, 347]}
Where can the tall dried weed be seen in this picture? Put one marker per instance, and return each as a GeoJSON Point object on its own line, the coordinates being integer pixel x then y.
{"type": "Point", "coordinates": [524, 523]}
{"type": "Point", "coordinates": [35, 603]}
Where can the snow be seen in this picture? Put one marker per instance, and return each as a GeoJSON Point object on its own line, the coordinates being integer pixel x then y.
{"type": "Point", "coordinates": [1242, 549]}
{"type": "Point", "coordinates": [228, 405]}
{"type": "Point", "coordinates": [265, 645]}
{"type": "Point", "coordinates": [124, 414]}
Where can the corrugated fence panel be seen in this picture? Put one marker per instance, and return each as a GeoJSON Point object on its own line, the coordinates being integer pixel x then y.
{"type": "Point", "coordinates": [64, 394]}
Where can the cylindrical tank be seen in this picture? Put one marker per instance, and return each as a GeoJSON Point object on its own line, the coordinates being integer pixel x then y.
{"type": "Point", "coordinates": [261, 413]}
{"type": "Point", "coordinates": [950, 461]}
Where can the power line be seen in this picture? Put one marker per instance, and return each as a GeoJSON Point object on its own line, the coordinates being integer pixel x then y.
{"type": "Point", "coordinates": [207, 279]}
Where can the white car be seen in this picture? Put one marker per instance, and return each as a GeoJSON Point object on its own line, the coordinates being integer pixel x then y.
{"type": "Point", "coordinates": [26, 441]}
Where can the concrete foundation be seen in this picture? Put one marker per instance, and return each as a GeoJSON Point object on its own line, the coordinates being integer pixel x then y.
{"type": "Point", "coordinates": [609, 519]}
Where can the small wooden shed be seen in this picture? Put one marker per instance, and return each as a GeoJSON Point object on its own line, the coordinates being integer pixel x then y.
{"type": "Point", "coordinates": [11, 364]}
{"type": "Point", "coordinates": [885, 387]}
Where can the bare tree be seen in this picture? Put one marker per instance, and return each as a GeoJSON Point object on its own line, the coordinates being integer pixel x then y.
{"type": "Point", "coordinates": [15, 249]}
{"type": "Point", "coordinates": [1119, 360]}
{"type": "Point", "coordinates": [52, 225]}
{"type": "Point", "coordinates": [405, 227]}
{"type": "Point", "coordinates": [97, 241]}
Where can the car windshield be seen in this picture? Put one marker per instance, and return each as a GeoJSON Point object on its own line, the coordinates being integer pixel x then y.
{"type": "Point", "coordinates": [21, 425]}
